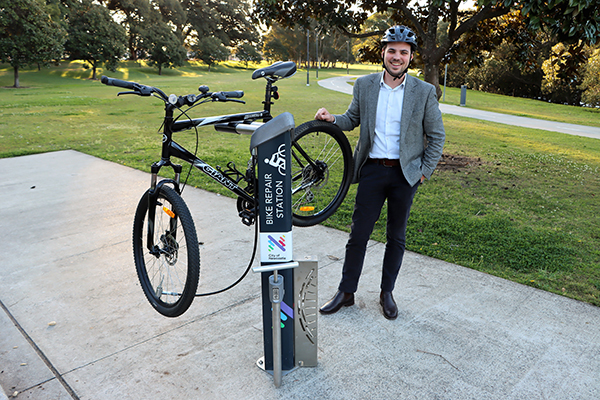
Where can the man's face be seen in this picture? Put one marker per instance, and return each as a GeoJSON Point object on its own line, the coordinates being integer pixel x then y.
{"type": "Point", "coordinates": [396, 56]}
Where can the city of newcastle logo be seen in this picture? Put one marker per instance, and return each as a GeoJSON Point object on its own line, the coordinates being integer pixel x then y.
{"type": "Point", "coordinates": [277, 160]}
{"type": "Point", "coordinates": [276, 246]}
{"type": "Point", "coordinates": [273, 243]}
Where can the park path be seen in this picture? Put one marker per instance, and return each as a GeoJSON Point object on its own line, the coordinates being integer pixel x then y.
{"type": "Point", "coordinates": [341, 84]}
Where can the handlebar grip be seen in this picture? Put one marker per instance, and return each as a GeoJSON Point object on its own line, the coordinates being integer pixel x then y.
{"type": "Point", "coordinates": [117, 82]}
{"type": "Point", "coordinates": [234, 95]}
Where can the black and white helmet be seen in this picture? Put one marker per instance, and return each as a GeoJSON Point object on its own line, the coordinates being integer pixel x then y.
{"type": "Point", "coordinates": [400, 33]}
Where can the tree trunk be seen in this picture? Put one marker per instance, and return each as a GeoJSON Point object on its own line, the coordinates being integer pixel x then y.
{"type": "Point", "coordinates": [132, 52]}
{"type": "Point", "coordinates": [159, 69]}
{"type": "Point", "coordinates": [16, 71]}
{"type": "Point", "coordinates": [432, 75]}
{"type": "Point", "coordinates": [432, 54]}
{"type": "Point", "coordinates": [93, 72]}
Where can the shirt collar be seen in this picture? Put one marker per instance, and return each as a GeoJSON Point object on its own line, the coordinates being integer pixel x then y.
{"type": "Point", "coordinates": [385, 85]}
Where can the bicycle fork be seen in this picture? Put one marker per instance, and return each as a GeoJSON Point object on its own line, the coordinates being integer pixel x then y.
{"type": "Point", "coordinates": [153, 193]}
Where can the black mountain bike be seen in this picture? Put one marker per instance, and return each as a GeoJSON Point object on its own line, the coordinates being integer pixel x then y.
{"type": "Point", "coordinates": [165, 243]}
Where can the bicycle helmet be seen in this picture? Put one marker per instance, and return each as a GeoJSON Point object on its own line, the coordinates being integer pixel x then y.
{"type": "Point", "coordinates": [399, 33]}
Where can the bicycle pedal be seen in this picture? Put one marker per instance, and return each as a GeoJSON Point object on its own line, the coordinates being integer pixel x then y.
{"type": "Point", "coordinates": [247, 218]}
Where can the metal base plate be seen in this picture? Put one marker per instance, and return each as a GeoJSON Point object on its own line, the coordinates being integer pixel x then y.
{"type": "Point", "coordinates": [260, 363]}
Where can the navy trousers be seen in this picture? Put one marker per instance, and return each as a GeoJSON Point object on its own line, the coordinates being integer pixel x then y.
{"type": "Point", "coordinates": [377, 184]}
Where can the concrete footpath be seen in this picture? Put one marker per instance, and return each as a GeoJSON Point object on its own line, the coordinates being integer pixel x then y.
{"type": "Point", "coordinates": [74, 323]}
{"type": "Point", "coordinates": [341, 84]}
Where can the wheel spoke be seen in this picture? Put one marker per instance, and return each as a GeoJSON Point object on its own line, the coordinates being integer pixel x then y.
{"type": "Point", "coordinates": [169, 274]}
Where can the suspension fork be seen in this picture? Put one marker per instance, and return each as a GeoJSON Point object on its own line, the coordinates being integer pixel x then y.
{"type": "Point", "coordinates": [153, 193]}
{"type": "Point", "coordinates": [156, 186]}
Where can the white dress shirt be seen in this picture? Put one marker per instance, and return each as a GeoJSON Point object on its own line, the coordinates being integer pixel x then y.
{"type": "Point", "coordinates": [387, 122]}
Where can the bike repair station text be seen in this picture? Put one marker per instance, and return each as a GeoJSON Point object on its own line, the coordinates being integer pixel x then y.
{"type": "Point", "coordinates": [273, 204]}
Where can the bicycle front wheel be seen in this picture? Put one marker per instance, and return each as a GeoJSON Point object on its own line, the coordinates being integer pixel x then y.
{"type": "Point", "coordinates": [321, 171]}
{"type": "Point", "coordinates": [169, 271]}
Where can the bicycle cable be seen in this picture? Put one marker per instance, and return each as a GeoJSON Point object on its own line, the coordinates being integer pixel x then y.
{"type": "Point", "coordinates": [195, 151]}
{"type": "Point", "coordinates": [241, 278]}
{"type": "Point", "coordinates": [251, 258]}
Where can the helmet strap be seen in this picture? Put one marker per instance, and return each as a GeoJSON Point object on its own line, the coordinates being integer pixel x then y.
{"type": "Point", "coordinates": [400, 75]}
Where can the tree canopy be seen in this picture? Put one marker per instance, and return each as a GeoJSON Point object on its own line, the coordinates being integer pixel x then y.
{"type": "Point", "coordinates": [94, 36]}
{"type": "Point", "coordinates": [163, 46]}
{"type": "Point", "coordinates": [591, 80]}
{"type": "Point", "coordinates": [570, 20]}
{"type": "Point", "coordinates": [190, 20]}
{"type": "Point", "coordinates": [210, 50]}
{"type": "Point", "coordinates": [28, 35]}
{"type": "Point", "coordinates": [247, 53]}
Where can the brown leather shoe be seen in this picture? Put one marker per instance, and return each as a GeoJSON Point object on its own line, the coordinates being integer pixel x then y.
{"type": "Point", "coordinates": [390, 310]}
{"type": "Point", "coordinates": [338, 301]}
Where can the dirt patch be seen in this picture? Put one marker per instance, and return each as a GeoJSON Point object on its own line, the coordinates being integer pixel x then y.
{"type": "Point", "coordinates": [450, 162]}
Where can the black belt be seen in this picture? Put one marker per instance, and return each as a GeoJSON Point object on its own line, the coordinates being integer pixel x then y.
{"type": "Point", "coordinates": [386, 162]}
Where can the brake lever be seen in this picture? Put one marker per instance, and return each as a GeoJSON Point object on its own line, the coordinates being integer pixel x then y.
{"type": "Point", "coordinates": [120, 93]}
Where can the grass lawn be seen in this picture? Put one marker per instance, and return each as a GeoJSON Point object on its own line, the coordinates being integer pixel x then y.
{"type": "Point", "coordinates": [524, 208]}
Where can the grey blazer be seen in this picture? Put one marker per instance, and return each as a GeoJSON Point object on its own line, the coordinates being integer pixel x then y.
{"type": "Point", "coordinates": [422, 132]}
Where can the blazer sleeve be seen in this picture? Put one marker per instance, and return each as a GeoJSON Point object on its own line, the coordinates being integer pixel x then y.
{"type": "Point", "coordinates": [434, 132]}
{"type": "Point", "coordinates": [351, 118]}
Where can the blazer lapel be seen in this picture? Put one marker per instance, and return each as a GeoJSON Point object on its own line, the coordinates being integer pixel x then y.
{"type": "Point", "coordinates": [372, 98]}
{"type": "Point", "coordinates": [408, 104]}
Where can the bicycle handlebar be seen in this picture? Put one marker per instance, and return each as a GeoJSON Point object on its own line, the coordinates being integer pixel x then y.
{"type": "Point", "coordinates": [144, 90]}
{"type": "Point", "coordinates": [137, 88]}
{"type": "Point", "coordinates": [234, 95]}
{"type": "Point", "coordinates": [117, 82]}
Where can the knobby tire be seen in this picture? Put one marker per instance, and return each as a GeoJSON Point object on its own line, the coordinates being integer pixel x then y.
{"type": "Point", "coordinates": [169, 277]}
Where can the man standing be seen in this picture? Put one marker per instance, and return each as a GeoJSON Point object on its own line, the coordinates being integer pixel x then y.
{"type": "Point", "coordinates": [400, 144]}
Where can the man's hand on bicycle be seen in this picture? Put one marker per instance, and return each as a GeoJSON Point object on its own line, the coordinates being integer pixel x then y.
{"type": "Point", "coordinates": [324, 115]}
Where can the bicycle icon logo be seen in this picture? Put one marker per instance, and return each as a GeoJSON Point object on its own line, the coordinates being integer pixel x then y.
{"type": "Point", "coordinates": [277, 160]}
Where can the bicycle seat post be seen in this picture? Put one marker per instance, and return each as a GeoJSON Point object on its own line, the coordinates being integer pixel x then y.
{"type": "Point", "coordinates": [267, 103]}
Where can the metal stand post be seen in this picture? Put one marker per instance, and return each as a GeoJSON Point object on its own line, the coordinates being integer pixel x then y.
{"type": "Point", "coordinates": [277, 292]}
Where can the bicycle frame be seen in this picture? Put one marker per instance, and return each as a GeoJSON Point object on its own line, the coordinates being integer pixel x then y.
{"type": "Point", "coordinates": [242, 123]}
{"type": "Point", "coordinates": [233, 123]}
{"type": "Point", "coordinates": [170, 148]}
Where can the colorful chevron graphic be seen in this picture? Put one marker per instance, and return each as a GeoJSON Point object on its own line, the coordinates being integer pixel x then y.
{"type": "Point", "coordinates": [276, 243]}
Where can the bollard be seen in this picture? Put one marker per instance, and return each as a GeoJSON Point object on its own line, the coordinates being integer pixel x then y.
{"type": "Point", "coordinates": [463, 95]}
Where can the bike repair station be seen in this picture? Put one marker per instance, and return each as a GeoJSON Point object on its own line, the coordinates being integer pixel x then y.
{"type": "Point", "coordinates": [289, 288]}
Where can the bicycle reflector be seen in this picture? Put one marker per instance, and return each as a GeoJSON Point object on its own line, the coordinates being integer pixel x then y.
{"type": "Point", "coordinates": [307, 208]}
{"type": "Point", "coordinates": [169, 212]}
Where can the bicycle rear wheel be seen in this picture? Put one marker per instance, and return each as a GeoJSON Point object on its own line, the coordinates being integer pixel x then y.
{"type": "Point", "coordinates": [168, 272]}
{"type": "Point", "coordinates": [321, 171]}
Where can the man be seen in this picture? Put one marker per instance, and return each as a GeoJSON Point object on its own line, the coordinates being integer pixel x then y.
{"type": "Point", "coordinates": [400, 144]}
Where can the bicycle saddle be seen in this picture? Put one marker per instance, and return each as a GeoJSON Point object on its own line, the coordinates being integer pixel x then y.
{"type": "Point", "coordinates": [278, 70]}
